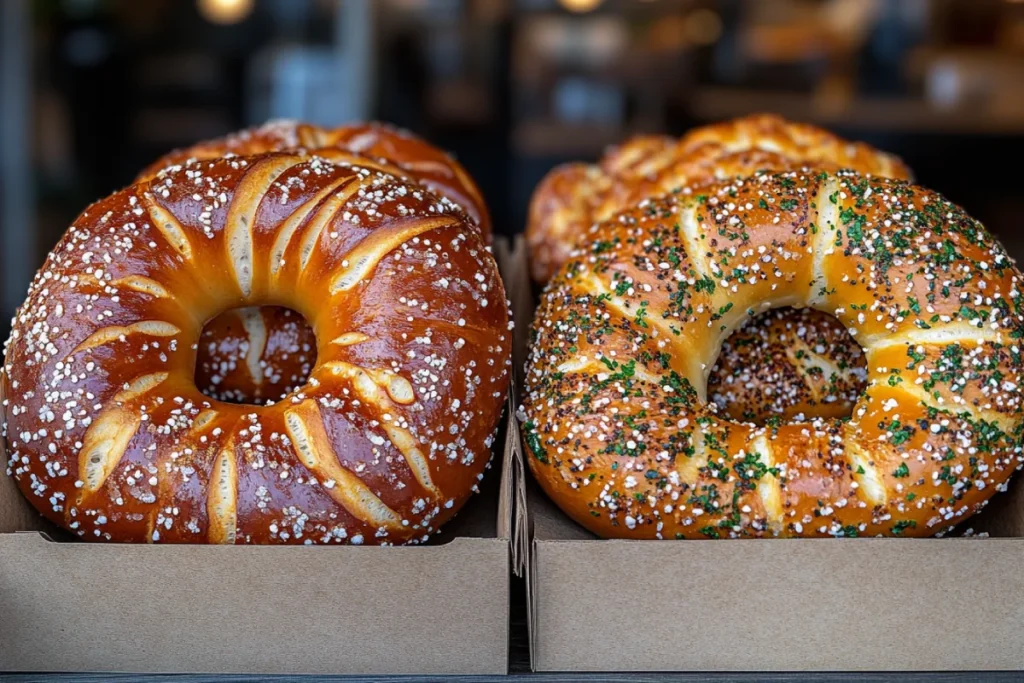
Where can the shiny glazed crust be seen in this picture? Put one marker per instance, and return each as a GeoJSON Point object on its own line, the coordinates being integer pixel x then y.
{"type": "Point", "coordinates": [107, 434]}
{"type": "Point", "coordinates": [617, 423]}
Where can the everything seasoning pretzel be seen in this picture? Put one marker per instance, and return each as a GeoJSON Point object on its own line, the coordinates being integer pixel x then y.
{"type": "Point", "coordinates": [767, 386]}
{"type": "Point", "coordinates": [617, 422]}
{"type": "Point", "coordinates": [107, 434]}
{"type": "Point", "coordinates": [259, 355]}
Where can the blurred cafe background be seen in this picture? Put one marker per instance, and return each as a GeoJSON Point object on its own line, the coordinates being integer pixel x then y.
{"type": "Point", "coordinates": [93, 90]}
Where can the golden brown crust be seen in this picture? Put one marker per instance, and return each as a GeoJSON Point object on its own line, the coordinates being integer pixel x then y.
{"type": "Point", "coordinates": [567, 191]}
{"type": "Point", "coordinates": [108, 435]}
{"type": "Point", "coordinates": [618, 429]}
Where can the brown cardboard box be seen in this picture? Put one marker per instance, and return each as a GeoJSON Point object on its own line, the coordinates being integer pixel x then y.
{"type": "Point", "coordinates": [436, 609]}
{"type": "Point", "coordinates": [860, 604]}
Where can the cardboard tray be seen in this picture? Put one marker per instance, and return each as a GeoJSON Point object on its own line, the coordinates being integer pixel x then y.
{"type": "Point", "coordinates": [863, 604]}
{"type": "Point", "coordinates": [436, 609]}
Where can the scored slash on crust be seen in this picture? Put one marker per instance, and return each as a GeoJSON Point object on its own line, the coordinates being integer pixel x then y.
{"type": "Point", "coordinates": [139, 386]}
{"type": "Point", "coordinates": [306, 430]}
{"type": "Point", "coordinates": [947, 333]}
{"type": "Point", "coordinates": [823, 239]}
{"type": "Point", "coordinates": [363, 259]}
{"type": "Point", "coordinates": [802, 355]}
{"type": "Point", "coordinates": [379, 389]}
{"type": "Point", "coordinates": [142, 284]}
{"type": "Point", "coordinates": [769, 488]}
{"type": "Point", "coordinates": [296, 220]}
{"type": "Point", "coordinates": [323, 216]}
{"type": "Point", "coordinates": [350, 339]}
{"type": "Point", "coordinates": [168, 225]}
{"type": "Point", "coordinates": [107, 438]}
{"type": "Point", "coordinates": [593, 286]}
{"type": "Point", "coordinates": [222, 499]}
{"type": "Point", "coordinates": [239, 224]}
{"type": "Point", "coordinates": [581, 364]}
{"type": "Point", "coordinates": [104, 445]}
{"type": "Point", "coordinates": [692, 242]}
{"type": "Point", "coordinates": [867, 476]}
{"type": "Point", "coordinates": [152, 328]}
{"type": "Point", "coordinates": [256, 331]}
{"type": "Point", "coordinates": [917, 393]}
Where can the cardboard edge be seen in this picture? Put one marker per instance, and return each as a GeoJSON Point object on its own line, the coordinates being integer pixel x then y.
{"type": "Point", "coordinates": [512, 261]}
{"type": "Point", "coordinates": [531, 606]}
{"type": "Point", "coordinates": [594, 551]}
{"type": "Point", "coordinates": [521, 537]}
{"type": "Point", "coordinates": [33, 539]}
{"type": "Point", "coordinates": [491, 554]}
{"type": "Point", "coordinates": [523, 309]}
{"type": "Point", "coordinates": [506, 496]}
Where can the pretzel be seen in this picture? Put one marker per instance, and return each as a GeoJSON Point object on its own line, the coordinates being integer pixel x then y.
{"type": "Point", "coordinates": [107, 434]}
{"type": "Point", "coordinates": [254, 355]}
{"type": "Point", "coordinates": [617, 422]}
{"type": "Point", "coordinates": [777, 386]}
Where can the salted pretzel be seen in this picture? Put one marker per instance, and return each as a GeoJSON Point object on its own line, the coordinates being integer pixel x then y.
{"type": "Point", "coordinates": [250, 355]}
{"type": "Point", "coordinates": [107, 434]}
{"type": "Point", "coordinates": [618, 425]}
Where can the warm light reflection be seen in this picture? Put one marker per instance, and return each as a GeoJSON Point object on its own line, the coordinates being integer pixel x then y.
{"type": "Point", "coordinates": [580, 5]}
{"type": "Point", "coordinates": [225, 11]}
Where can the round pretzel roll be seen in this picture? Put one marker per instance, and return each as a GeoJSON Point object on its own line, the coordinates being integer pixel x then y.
{"type": "Point", "coordinates": [108, 435]}
{"type": "Point", "coordinates": [616, 420]}
{"type": "Point", "coordinates": [251, 355]}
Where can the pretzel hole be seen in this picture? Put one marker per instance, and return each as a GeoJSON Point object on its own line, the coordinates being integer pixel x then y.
{"type": "Point", "coordinates": [254, 356]}
{"type": "Point", "coordinates": [788, 365]}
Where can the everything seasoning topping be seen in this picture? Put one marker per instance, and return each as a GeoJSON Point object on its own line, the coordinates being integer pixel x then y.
{"type": "Point", "coordinates": [922, 369]}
